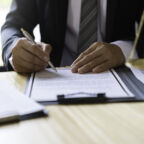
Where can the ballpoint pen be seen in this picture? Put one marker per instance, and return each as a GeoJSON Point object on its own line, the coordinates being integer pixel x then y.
{"type": "Point", "coordinates": [30, 38]}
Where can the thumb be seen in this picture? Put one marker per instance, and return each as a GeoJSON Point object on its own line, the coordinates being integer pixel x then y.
{"type": "Point", "coordinates": [47, 48]}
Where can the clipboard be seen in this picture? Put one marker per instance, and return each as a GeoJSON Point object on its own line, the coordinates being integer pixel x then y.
{"type": "Point", "coordinates": [128, 78]}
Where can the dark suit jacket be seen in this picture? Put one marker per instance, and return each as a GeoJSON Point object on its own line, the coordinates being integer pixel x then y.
{"type": "Point", "coordinates": [52, 17]}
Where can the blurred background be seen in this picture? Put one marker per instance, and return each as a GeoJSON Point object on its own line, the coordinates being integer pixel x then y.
{"type": "Point", "coordinates": [4, 8]}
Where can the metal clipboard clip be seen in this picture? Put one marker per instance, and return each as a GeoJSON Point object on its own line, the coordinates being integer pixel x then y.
{"type": "Point", "coordinates": [82, 98]}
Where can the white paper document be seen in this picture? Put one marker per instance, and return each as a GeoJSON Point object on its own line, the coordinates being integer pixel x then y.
{"type": "Point", "coordinates": [13, 102]}
{"type": "Point", "coordinates": [47, 85]}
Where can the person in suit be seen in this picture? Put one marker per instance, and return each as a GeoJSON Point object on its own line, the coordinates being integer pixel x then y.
{"type": "Point", "coordinates": [93, 36]}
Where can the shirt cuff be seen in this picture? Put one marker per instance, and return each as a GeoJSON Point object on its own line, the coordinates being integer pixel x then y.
{"type": "Point", "coordinates": [11, 62]}
{"type": "Point", "coordinates": [126, 47]}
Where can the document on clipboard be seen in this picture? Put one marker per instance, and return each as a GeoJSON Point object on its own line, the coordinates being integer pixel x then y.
{"type": "Point", "coordinates": [50, 86]}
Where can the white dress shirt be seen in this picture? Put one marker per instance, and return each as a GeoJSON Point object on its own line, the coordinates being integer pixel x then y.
{"type": "Point", "coordinates": [73, 27]}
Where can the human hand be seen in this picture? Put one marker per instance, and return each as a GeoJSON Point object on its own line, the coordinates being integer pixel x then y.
{"type": "Point", "coordinates": [28, 57]}
{"type": "Point", "coordinates": [98, 58]}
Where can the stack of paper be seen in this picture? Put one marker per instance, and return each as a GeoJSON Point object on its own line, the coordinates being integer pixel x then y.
{"type": "Point", "coordinates": [14, 105]}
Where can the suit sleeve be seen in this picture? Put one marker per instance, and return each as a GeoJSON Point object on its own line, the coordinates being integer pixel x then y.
{"type": "Point", "coordinates": [23, 14]}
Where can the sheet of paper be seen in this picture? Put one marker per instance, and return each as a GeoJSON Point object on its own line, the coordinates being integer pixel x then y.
{"type": "Point", "coordinates": [13, 101]}
{"type": "Point", "coordinates": [48, 84]}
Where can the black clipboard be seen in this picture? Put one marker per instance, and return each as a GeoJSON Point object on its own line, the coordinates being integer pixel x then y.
{"type": "Point", "coordinates": [126, 75]}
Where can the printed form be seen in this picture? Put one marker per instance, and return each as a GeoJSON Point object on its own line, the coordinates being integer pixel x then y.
{"type": "Point", "coordinates": [47, 85]}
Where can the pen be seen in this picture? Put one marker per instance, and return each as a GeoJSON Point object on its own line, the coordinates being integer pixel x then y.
{"type": "Point", "coordinates": [30, 38]}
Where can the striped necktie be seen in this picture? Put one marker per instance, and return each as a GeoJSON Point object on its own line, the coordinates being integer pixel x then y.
{"type": "Point", "coordinates": [88, 25]}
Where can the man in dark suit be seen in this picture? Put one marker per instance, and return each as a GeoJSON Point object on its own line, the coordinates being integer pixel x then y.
{"type": "Point", "coordinates": [70, 30]}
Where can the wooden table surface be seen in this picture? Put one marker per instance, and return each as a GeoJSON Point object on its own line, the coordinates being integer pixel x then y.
{"type": "Point", "coordinates": [82, 124]}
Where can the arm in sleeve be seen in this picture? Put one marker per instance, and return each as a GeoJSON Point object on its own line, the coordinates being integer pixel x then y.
{"type": "Point", "coordinates": [23, 14]}
{"type": "Point", "coordinates": [126, 47]}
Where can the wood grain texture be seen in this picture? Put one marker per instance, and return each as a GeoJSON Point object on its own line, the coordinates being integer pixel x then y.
{"type": "Point", "coordinates": [78, 124]}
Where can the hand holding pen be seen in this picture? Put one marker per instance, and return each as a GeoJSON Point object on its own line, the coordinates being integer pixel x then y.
{"type": "Point", "coordinates": [28, 56]}
{"type": "Point", "coordinates": [30, 38]}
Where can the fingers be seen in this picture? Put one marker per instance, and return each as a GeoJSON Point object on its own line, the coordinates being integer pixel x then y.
{"type": "Point", "coordinates": [102, 67]}
{"type": "Point", "coordinates": [88, 51]}
{"type": "Point", "coordinates": [22, 66]}
{"type": "Point", "coordinates": [93, 56]}
{"type": "Point", "coordinates": [98, 58]}
{"type": "Point", "coordinates": [91, 65]}
{"type": "Point", "coordinates": [30, 58]}
{"type": "Point", "coordinates": [36, 50]}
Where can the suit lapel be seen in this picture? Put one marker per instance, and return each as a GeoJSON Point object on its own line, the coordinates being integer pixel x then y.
{"type": "Point", "coordinates": [60, 12]}
{"type": "Point", "coordinates": [111, 14]}
{"type": "Point", "coordinates": [60, 8]}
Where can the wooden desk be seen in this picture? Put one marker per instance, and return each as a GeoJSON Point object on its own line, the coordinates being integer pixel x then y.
{"type": "Point", "coordinates": [83, 124]}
